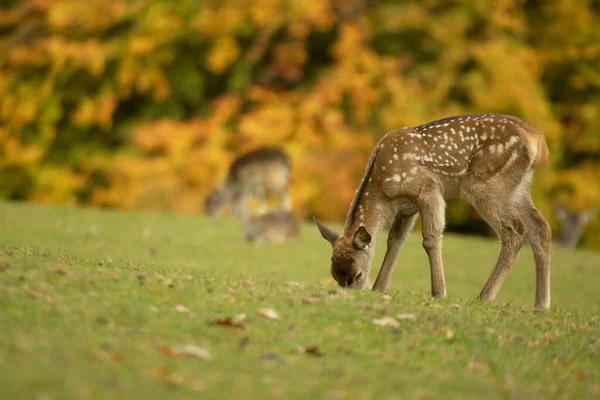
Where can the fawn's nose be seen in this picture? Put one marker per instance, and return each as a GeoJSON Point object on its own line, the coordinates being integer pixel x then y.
{"type": "Point", "coordinates": [354, 279]}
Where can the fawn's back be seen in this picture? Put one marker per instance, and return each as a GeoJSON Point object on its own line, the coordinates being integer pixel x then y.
{"type": "Point", "coordinates": [459, 150]}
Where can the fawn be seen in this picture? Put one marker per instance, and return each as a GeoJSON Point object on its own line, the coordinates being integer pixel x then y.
{"type": "Point", "coordinates": [486, 159]}
{"type": "Point", "coordinates": [255, 174]}
{"type": "Point", "coordinates": [271, 226]}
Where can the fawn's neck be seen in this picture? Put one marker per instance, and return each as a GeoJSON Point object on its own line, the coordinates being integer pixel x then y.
{"type": "Point", "coordinates": [367, 213]}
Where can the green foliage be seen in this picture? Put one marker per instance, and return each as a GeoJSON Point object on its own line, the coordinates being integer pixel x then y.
{"type": "Point", "coordinates": [142, 104]}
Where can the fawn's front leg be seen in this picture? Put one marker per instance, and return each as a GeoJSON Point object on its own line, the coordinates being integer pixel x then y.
{"type": "Point", "coordinates": [398, 233]}
{"type": "Point", "coordinates": [432, 207]}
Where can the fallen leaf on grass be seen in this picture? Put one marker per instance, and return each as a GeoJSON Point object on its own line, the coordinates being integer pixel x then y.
{"type": "Point", "coordinates": [476, 366]}
{"type": "Point", "coordinates": [580, 376]}
{"type": "Point", "coordinates": [228, 323]}
{"type": "Point", "coordinates": [386, 321]}
{"type": "Point", "coordinates": [449, 333]}
{"type": "Point", "coordinates": [432, 305]}
{"type": "Point", "coordinates": [181, 308]}
{"type": "Point", "coordinates": [117, 357]}
{"type": "Point", "coordinates": [407, 316]}
{"type": "Point", "coordinates": [194, 351]}
{"type": "Point", "coordinates": [167, 351]}
{"type": "Point", "coordinates": [311, 351]}
{"type": "Point", "coordinates": [311, 300]}
{"type": "Point", "coordinates": [59, 269]}
{"type": "Point", "coordinates": [269, 313]}
{"type": "Point", "coordinates": [490, 330]}
{"type": "Point", "coordinates": [238, 318]}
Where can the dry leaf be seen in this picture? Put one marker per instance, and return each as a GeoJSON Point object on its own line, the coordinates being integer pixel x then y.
{"type": "Point", "coordinates": [311, 351]}
{"type": "Point", "coordinates": [386, 321]}
{"type": "Point", "coordinates": [194, 351]}
{"type": "Point", "coordinates": [407, 316]}
{"type": "Point", "coordinates": [228, 323]}
{"type": "Point", "coordinates": [580, 376]}
{"type": "Point", "coordinates": [117, 357]}
{"type": "Point", "coordinates": [181, 308]}
{"type": "Point", "coordinates": [167, 351]}
{"type": "Point", "coordinates": [269, 313]}
{"type": "Point", "coordinates": [311, 300]}
{"type": "Point", "coordinates": [490, 330]}
{"type": "Point", "coordinates": [448, 333]}
{"type": "Point", "coordinates": [477, 366]}
{"type": "Point", "coordinates": [433, 305]}
{"type": "Point", "coordinates": [238, 318]}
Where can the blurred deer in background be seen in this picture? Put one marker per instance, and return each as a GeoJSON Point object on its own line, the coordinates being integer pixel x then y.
{"type": "Point", "coordinates": [572, 224]}
{"type": "Point", "coordinates": [271, 226]}
{"type": "Point", "coordinates": [253, 175]}
{"type": "Point", "coordinates": [486, 159]}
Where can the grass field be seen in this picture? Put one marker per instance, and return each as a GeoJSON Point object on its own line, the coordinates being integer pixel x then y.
{"type": "Point", "coordinates": [98, 304]}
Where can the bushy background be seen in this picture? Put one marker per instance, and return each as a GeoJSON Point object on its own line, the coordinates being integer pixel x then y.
{"type": "Point", "coordinates": [142, 104]}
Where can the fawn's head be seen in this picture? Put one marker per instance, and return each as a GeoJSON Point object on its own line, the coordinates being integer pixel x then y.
{"type": "Point", "coordinates": [351, 258]}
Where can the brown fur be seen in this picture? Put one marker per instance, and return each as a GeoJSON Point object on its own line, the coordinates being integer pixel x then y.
{"type": "Point", "coordinates": [255, 174]}
{"type": "Point", "coordinates": [272, 226]}
{"type": "Point", "coordinates": [486, 159]}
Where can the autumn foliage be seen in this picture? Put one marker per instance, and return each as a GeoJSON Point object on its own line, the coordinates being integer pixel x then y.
{"type": "Point", "coordinates": [142, 104]}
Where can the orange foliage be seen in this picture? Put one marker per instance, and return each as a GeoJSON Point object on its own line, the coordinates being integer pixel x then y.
{"type": "Point", "coordinates": [143, 104]}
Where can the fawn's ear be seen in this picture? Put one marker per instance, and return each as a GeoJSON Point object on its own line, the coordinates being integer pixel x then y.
{"type": "Point", "coordinates": [327, 233]}
{"type": "Point", "coordinates": [362, 238]}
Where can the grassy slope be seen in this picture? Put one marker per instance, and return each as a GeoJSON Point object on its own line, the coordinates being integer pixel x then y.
{"type": "Point", "coordinates": [103, 323]}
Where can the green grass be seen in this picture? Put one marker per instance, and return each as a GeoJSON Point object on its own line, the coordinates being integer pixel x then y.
{"type": "Point", "coordinates": [87, 310]}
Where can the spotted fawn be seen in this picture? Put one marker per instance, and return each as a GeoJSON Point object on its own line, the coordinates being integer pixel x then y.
{"type": "Point", "coordinates": [486, 159]}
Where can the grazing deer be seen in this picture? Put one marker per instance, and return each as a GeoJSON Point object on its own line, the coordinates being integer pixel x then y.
{"type": "Point", "coordinates": [272, 226]}
{"type": "Point", "coordinates": [572, 224]}
{"type": "Point", "coordinates": [255, 174]}
{"type": "Point", "coordinates": [486, 159]}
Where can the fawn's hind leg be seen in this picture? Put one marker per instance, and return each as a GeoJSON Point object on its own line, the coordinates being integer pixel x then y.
{"type": "Point", "coordinates": [500, 213]}
{"type": "Point", "coordinates": [539, 237]}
